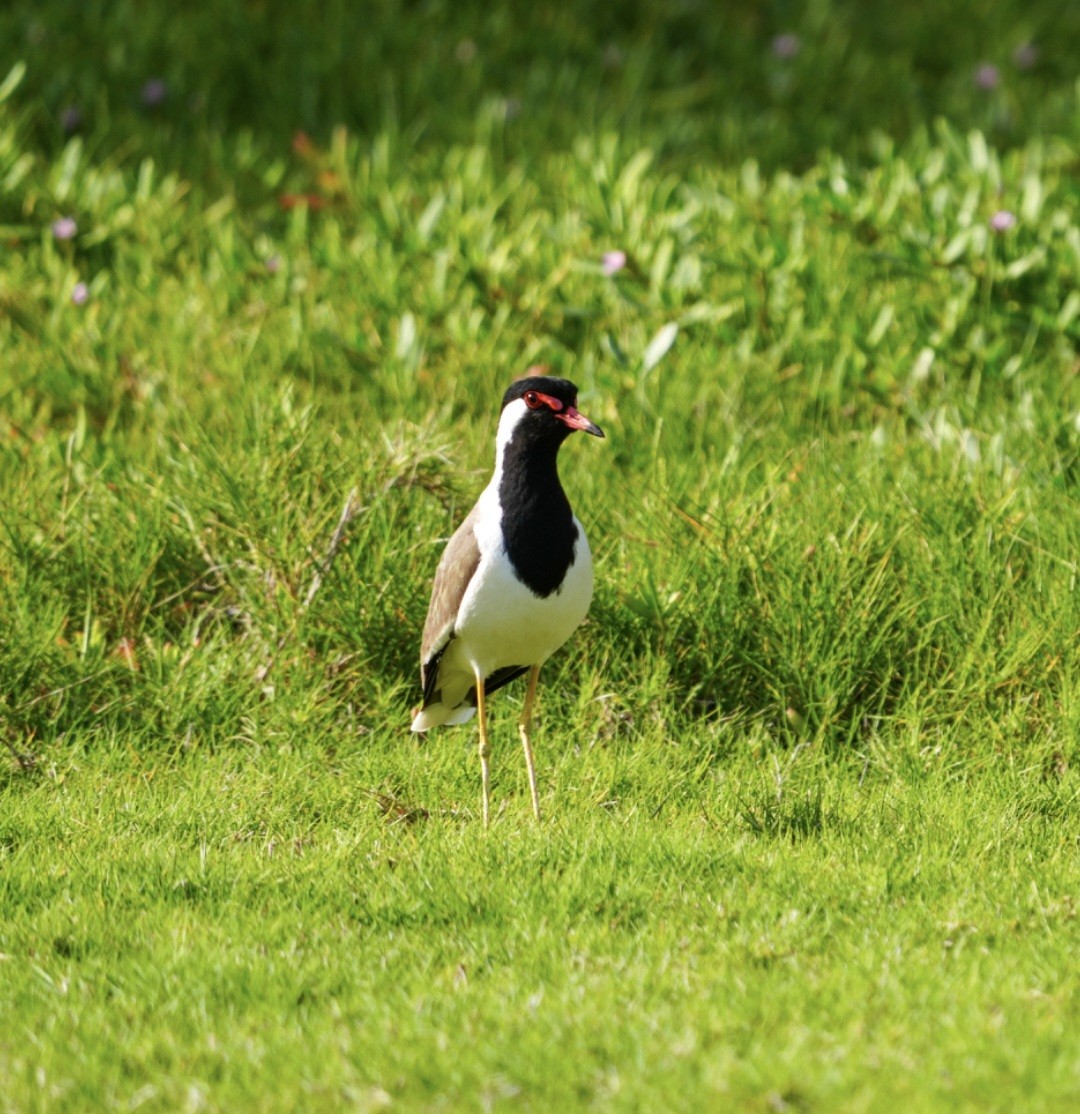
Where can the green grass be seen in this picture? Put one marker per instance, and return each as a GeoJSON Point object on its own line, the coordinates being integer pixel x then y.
{"type": "Point", "coordinates": [248, 924]}
{"type": "Point", "coordinates": [810, 769]}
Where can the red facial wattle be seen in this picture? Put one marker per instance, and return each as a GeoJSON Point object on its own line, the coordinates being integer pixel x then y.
{"type": "Point", "coordinates": [568, 415]}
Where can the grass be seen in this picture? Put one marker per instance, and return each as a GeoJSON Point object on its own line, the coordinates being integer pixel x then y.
{"type": "Point", "coordinates": [249, 925]}
{"type": "Point", "coordinates": [810, 769]}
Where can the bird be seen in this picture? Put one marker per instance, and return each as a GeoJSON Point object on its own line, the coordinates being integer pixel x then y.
{"type": "Point", "coordinates": [516, 578]}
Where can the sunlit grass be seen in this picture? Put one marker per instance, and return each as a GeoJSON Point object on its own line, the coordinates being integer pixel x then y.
{"type": "Point", "coordinates": [808, 771]}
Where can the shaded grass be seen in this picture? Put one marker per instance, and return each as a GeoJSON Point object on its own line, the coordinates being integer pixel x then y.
{"type": "Point", "coordinates": [700, 79]}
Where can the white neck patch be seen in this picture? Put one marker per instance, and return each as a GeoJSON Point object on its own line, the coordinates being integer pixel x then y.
{"type": "Point", "coordinates": [508, 422]}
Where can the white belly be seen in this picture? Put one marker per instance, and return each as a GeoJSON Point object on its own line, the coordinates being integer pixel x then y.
{"type": "Point", "coordinates": [502, 623]}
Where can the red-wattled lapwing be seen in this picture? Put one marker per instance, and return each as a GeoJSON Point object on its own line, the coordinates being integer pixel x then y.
{"type": "Point", "coordinates": [516, 578]}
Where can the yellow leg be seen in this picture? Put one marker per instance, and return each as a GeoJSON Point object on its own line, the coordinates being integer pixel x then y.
{"type": "Point", "coordinates": [485, 750]}
{"type": "Point", "coordinates": [523, 727]}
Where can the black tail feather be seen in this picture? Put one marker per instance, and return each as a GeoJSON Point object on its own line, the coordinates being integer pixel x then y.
{"type": "Point", "coordinates": [496, 681]}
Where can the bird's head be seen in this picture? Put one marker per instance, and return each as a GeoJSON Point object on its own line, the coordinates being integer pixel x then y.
{"type": "Point", "coordinates": [542, 409]}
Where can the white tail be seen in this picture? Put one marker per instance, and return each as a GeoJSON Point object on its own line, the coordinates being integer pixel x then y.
{"type": "Point", "coordinates": [438, 715]}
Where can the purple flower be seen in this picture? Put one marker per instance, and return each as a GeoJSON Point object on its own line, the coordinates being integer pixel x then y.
{"type": "Point", "coordinates": [1002, 220]}
{"type": "Point", "coordinates": [154, 93]}
{"type": "Point", "coordinates": [786, 46]}
{"type": "Point", "coordinates": [1025, 56]}
{"type": "Point", "coordinates": [80, 294]}
{"type": "Point", "coordinates": [273, 264]}
{"type": "Point", "coordinates": [64, 229]}
{"type": "Point", "coordinates": [613, 262]}
{"type": "Point", "coordinates": [987, 76]}
{"type": "Point", "coordinates": [71, 119]}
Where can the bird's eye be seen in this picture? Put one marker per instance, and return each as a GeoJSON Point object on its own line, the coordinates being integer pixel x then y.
{"type": "Point", "coordinates": [532, 400]}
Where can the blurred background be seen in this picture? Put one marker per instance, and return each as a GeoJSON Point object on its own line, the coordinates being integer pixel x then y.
{"type": "Point", "coordinates": [260, 253]}
{"type": "Point", "coordinates": [696, 80]}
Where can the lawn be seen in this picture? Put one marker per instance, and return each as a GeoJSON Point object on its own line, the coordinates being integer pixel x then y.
{"type": "Point", "coordinates": [810, 770]}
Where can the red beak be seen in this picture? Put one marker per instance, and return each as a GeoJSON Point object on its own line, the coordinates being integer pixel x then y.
{"type": "Point", "coordinates": [576, 420]}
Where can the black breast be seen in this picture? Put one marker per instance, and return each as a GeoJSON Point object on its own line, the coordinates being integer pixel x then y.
{"type": "Point", "coordinates": [537, 522]}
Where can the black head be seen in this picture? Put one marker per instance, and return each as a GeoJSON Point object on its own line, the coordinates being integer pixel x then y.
{"type": "Point", "coordinates": [550, 409]}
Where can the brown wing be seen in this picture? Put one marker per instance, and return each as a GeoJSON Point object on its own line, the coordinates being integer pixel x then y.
{"type": "Point", "coordinates": [456, 567]}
